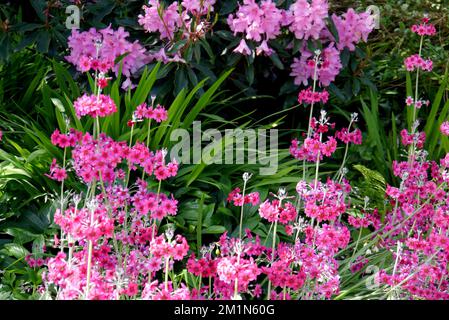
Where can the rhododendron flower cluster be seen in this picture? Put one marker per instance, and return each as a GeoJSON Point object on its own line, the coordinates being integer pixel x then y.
{"type": "Point", "coordinates": [188, 20]}
{"type": "Point", "coordinates": [165, 21]}
{"type": "Point", "coordinates": [257, 22]}
{"type": "Point", "coordinates": [307, 18]}
{"type": "Point", "coordinates": [352, 28]}
{"type": "Point", "coordinates": [98, 49]}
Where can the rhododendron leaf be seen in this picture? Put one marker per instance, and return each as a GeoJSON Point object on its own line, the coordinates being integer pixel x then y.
{"type": "Point", "coordinates": [277, 62]}
{"type": "Point", "coordinates": [43, 41]}
{"type": "Point", "coordinates": [345, 55]}
{"type": "Point", "coordinates": [250, 74]}
{"type": "Point", "coordinates": [333, 29]}
{"type": "Point", "coordinates": [355, 86]}
{"type": "Point", "coordinates": [180, 80]}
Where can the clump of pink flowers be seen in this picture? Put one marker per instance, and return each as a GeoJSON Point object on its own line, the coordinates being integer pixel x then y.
{"type": "Point", "coordinates": [94, 106]}
{"type": "Point", "coordinates": [256, 22]}
{"type": "Point", "coordinates": [424, 28]}
{"type": "Point", "coordinates": [415, 62]}
{"type": "Point", "coordinates": [187, 21]}
{"type": "Point", "coordinates": [307, 18]}
{"type": "Point", "coordinates": [97, 50]}
{"type": "Point", "coordinates": [352, 28]}
{"type": "Point", "coordinates": [319, 66]}
{"type": "Point", "coordinates": [307, 96]}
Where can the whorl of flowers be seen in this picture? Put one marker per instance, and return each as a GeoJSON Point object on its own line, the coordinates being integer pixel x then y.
{"type": "Point", "coordinates": [328, 66]}
{"type": "Point", "coordinates": [417, 62]}
{"type": "Point", "coordinates": [94, 106]}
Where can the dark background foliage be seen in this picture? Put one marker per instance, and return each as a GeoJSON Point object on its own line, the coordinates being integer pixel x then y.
{"type": "Point", "coordinates": [37, 85]}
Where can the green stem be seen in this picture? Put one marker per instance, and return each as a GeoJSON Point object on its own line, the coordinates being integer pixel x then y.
{"type": "Point", "coordinates": [241, 210]}
{"type": "Point", "coordinates": [148, 143]}
{"type": "Point", "coordinates": [273, 246]}
{"type": "Point", "coordinates": [167, 264]}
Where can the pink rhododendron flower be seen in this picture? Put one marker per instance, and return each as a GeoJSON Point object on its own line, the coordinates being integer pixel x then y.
{"type": "Point", "coordinates": [98, 49]}
{"type": "Point", "coordinates": [307, 18]}
{"type": "Point", "coordinates": [352, 28]}
{"type": "Point", "coordinates": [166, 22]}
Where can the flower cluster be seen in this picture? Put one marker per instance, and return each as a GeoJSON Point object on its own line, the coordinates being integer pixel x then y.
{"type": "Point", "coordinates": [416, 222]}
{"type": "Point", "coordinates": [86, 223]}
{"type": "Point", "coordinates": [56, 172]}
{"type": "Point", "coordinates": [239, 200]}
{"type": "Point", "coordinates": [306, 19]}
{"type": "Point", "coordinates": [415, 62]}
{"type": "Point", "coordinates": [276, 211]}
{"type": "Point", "coordinates": [444, 128]}
{"type": "Point", "coordinates": [417, 104]}
{"type": "Point", "coordinates": [157, 114]}
{"type": "Point", "coordinates": [346, 136]}
{"type": "Point", "coordinates": [307, 96]}
{"type": "Point", "coordinates": [98, 50]}
{"type": "Point", "coordinates": [324, 70]}
{"type": "Point", "coordinates": [257, 22]}
{"type": "Point", "coordinates": [352, 28]}
{"type": "Point", "coordinates": [417, 139]}
{"type": "Point", "coordinates": [425, 28]}
{"type": "Point", "coordinates": [186, 21]}
{"type": "Point", "coordinates": [325, 202]}
{"type": "Point", "coordinates": [165, 21]}
{"type": "Point", "coordinates": [66, 140]}
{"type": "Point", "coordinates": [94, 106]}
{"type": "Point", "coordinates": [165, 247]}
{"type": "Point", "coordinates": [230, 269]}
